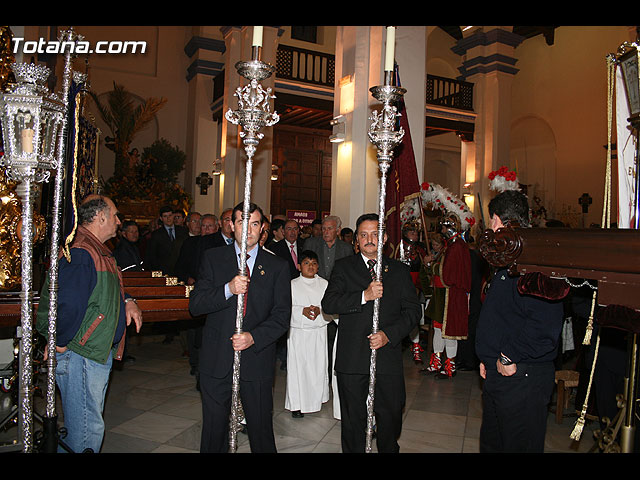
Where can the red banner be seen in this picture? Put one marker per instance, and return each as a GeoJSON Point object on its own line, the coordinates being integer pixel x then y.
{"type": "Point", "coordinates": [402, 181]}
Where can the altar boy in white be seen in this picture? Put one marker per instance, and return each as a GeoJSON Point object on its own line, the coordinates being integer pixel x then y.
{"type": "Point", "coordinates": [307, 355]}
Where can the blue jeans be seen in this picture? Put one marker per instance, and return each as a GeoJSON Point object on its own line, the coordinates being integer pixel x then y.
{"type": "Point", "coordinates": [83, 386]}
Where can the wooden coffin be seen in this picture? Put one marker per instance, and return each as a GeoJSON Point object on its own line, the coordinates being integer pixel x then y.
{"type": "Point", "coordinates": [161, 299]}
{"type": "Point", "coordinates": [609, 256]}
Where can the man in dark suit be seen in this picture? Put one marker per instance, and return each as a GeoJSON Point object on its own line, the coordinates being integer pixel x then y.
{"type": "Point", "coordinates": [164, 244]}
{"type": "Point", "coordinates": [351, 293]}
{"type": "Point", "coordinates": [220, 237]}
{"type": "Point", "coordinates": [126, 252]}
{"type": "Point", "coordinates": [267, 316]}
{"type": "Point", "coordinates": [276, 233]}
{"type": "Point", "coordinates": [186, 260]}
{"type": "Point", "coordinates": [290, 247]}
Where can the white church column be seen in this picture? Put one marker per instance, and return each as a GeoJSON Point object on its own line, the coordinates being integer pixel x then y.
{"type": "Point", "coordinates": [488, 62]}
{"type": "Point", "coordinates": [238, 42]}
{"type": "Point", "coordinates": [359, 66]}
{"type": "Point", "coordinates": [203, 140]}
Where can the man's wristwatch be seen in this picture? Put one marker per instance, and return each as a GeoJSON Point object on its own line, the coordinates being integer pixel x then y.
{"type": "Point", "coordinates": [504, 360]}
{"type": "Point", "coordinates": [130, 299]}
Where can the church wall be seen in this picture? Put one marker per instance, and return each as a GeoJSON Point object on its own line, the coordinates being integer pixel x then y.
{"type": "Point", "coordinates": [160, 72]}
{"type": "Point", "coordinates": [559, 118]}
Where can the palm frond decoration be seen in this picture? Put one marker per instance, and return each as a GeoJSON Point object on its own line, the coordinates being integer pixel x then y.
{"type": "Point", "coordinates": [125, 120]}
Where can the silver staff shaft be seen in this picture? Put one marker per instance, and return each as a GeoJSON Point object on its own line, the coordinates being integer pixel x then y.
{"type": "Point", "coordinates": [234, 418]}
{"type": "Point", "coordinates": [55, 236]}
{"type": "Point", "coordinates": [25, 368]}
{"type": "Point", "coordinates": [253, 114]}
{"type": "Point", "coordinates": [383, 134]}
{"type": "Point", "coordinates": [376, 306]}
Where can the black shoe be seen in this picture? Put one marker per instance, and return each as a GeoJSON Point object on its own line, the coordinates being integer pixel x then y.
{"type": "Point", "coordinates": [465, 368]}
{"type": "Point", "coordinates": [297, 414]}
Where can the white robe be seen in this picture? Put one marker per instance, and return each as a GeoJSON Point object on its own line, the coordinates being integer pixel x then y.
{"type": "Point", "coordinates": [307, 353]}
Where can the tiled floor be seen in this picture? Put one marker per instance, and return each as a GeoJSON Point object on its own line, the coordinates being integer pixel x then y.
{"type": "Point", "coordinates": [152, 406]}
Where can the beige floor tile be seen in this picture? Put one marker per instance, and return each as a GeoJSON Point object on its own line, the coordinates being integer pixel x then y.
{"type": "Point", "coordinates": [154, 426]}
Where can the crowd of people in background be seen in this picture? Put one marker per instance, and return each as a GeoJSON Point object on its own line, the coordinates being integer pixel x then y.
{"type": "Point", "coordinates": [435, 289]}
{"type": "Point", "coordinates": [310, 293]}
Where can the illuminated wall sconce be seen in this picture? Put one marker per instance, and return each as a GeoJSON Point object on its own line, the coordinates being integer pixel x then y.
{"type": "Point", "coordinates": [338, 129]}
{"type": "Point", "coordinates": [217, 167]}
{"type": "Point", "coordinates": [274, 172]}
{"type": "Point", "coordinates": [467, 195]}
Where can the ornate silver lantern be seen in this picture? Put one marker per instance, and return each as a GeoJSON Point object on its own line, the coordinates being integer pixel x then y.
{"type": "Point", "coordinates": [32, 119]}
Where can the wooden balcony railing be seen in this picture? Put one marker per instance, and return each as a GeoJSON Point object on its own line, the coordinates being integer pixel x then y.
{"type": "Point", "coordinates": [305, 66]}
{"type": "Point", "coordinates": [298, 64]}
{"type": "Point", "coordinates": [447, 92]}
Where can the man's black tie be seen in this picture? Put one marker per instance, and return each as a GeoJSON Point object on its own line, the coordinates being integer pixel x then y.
{"type": "Point", "coordinates": [246, 295]}
{"type": "Point", "coordinates": [372, 268]}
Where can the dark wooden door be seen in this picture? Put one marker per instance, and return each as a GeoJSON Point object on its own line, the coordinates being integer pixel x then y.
{"type": "Point", "coordinates": [304, 171]}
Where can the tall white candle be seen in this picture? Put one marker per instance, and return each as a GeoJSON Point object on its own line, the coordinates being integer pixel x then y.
{"type": "Point", "coordinates": [257, 36]}
{"type": "Point", "coordinates": [391, 46]}
{"type": "Point", "coordinates": [27, 140]}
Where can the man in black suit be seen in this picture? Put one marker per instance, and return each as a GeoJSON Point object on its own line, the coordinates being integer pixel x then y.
{"type": "Point", "coordinates": [267, 316]}
{"type": "Point", "coordinates": [276, 233]}
{"type": "Point", "coordinates": [127, 253]}
{"type": "Point", "coordinates": [290, 247]}
{"type": "Point", "coordinates": [164, 244]}
{"type": "Point", "coordinates": [220, 237]}
{"type": "Point", "coordinates": [351, 293]}
{"type": "Point", "coordinates": [187, 258]}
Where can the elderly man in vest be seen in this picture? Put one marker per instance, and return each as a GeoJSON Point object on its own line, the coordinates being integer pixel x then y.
{"type": "Point", "coordinates": [93, 312]}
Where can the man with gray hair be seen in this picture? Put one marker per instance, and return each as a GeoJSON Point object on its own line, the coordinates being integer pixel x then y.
{"type": "Point", "coordinates": [192, 223]}
{"type": "Point", "coordinates": [93, 313]}
{"type": "Point", "coordinates": [328, 247]}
